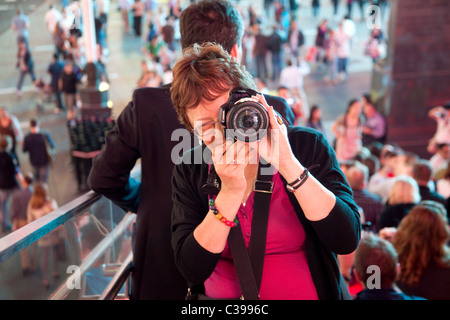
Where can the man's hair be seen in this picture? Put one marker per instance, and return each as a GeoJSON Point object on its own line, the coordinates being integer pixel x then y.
{"type": "Point", "coordinates": [374, 251]}
{"type": "Point", "coordinates": [204, 73]}
{"type": "Point", "coordinates": [357, 176]}
{"type": "Point", "coordinates": [211, 21]}
{"type": "Point", "coordinates": [33, 123]}
{"type": "Point", "coordinates": [422, 170]}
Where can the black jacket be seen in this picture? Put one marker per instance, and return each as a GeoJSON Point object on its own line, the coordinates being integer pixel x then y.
{"type": "Point", "coordinates": [147, 130]}
{"type": "Point", "coordinates": [338, 233]}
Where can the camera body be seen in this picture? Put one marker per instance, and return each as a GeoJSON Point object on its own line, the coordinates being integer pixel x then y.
{"type": "Point", "coordinates": [244, 118]}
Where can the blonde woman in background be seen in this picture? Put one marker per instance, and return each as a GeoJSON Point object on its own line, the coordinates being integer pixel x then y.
{"type": "Point", "coordinates": [403, 196]}
{"type": "Point", "coordinates": [41, 204]}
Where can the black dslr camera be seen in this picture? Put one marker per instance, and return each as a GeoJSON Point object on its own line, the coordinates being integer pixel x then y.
{"type": "Point", "coordinates": [244, 118]}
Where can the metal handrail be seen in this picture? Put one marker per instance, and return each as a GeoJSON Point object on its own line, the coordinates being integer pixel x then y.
{"type": "Point", "coordinates": [112, 289]}
{"type": "Point", "coordinates": [28, 234]}
{"type": "Point", "coordinates": [63, 291]}
{"type": "Point", "coordinates": [25, 236]}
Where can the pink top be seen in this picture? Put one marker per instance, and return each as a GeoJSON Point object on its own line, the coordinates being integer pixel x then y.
{"type": "Point", "coordinates": [286, 274]}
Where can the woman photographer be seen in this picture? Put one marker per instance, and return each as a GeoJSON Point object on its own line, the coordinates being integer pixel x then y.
{"type": "Point", "coordinates": [312, 216]}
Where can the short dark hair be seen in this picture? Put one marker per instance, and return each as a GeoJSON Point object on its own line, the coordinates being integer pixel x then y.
{"type": "Point", "coordinates": [375, 251]}
{"type": "Point", "coordinates": [211, 21]}
{"type": "Point", "coordinates": [422, 170]}
{"type": "Point", "coordinates": [367, 97]}
{"type": "Point", "coordinates": [33, 123]}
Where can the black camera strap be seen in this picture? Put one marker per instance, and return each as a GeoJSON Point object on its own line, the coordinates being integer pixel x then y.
{"type": "Point", "coordinates": [249, 265]}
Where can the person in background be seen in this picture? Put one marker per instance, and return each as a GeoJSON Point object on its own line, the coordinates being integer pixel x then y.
{"type": "Point", "coordinates": [443, 184]}
{"type": "Point", "coordinates": [10, 179]}
{"type": "Point", "coordinates": [18, 214]}
{"type": "Point", "coordinates": [321, 35]}
{"type": "Point", "coordinates": [421, 242]}
{"type": "Point", "coordinates": [68, 84]}
{"type": "Point", "coordinates": [125, 6]}
{"type": "Point", "coordinates": [441, 115]}
{"type": "Point", "coordinates": [403, 196]}
{"type": "Point", "coordinates": [343, 51]}
{"type": "Point", "coordinates": [10, 126]}
{"type": "Point", "coordinates": [138, 8]}
{"type": "Point", "coordinates": [291, 77]}
{"type": "Point", "coordinates": [259, 53]}
{"type": "Point", "coordinates": [347, 129]}
{"type": "Point", "coordinates": [54, 70]}
{"type": "Point", "coordinates": [295, 104]}
{"type": "Point", "coordinates": [20, 25]}
{"type": "Point", "coordinates": [315, 119]}
{"type": "Point", "coordinates": [331, 46]}
{"type": "Point", "coordinates": [275, 47]}
{"type": "Point", "coordinates": [374, 251]}
{"type": "Point", "coordinates": [38, 143]}
{"type": "Point", "coordinates": [440, 159]}
{"type": "Point", "coordinates": [41, 204]}
{"type": "Point", "coordinates": [295, 39]}
{"type": "Point", "coordinates": [25, 64]}
{"type": "Point", "coordinates": [422, 172]}
{"type": "Point", "coordinates": [52, 16]}
{"type": "Point", "coordinates": [374, 127]}
{"type": "Point", "coordinates": [357, 176]}
{"type": "Point", "coordinates": [402, 165]}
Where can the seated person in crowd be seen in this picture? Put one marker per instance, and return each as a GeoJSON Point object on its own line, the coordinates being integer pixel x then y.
{"type": "Point", "coordinates": [440, 159]}
{"type": "Point", "coordinates": [421, 242]}
{"type": "Point", "coordinates": [403, 196]}
{"type": "Point", "coordinates": [357, 177]}
{"type": "Point", "coordinates": [376, 267]}
{"type": "Point", "coordinates": [422, 172]}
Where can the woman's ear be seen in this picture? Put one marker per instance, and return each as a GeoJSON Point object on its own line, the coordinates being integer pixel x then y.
{"type": "Point", "coordinates": [236, 52]}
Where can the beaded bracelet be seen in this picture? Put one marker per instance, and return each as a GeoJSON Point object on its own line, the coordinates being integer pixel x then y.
{"type": "Point", "coordinates": [221, 218]}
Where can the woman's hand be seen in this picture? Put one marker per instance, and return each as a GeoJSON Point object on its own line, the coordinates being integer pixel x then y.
{"type": "Point", "coordinates": [274, 147]}
{"type": "Point", "coordinates": [230, 159]}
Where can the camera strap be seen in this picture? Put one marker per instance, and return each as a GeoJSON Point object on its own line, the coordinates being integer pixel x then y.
{"type": "Point", "coordinates": [249, 265]}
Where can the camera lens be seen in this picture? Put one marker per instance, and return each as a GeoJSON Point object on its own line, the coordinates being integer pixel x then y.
{"type": "Point", "coordinates": [248, 120]}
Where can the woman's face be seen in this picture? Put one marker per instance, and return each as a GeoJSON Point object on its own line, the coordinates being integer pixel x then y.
{"type": "Point", "coordinates": [355, 109]}
{"type": "Point", "coordinates": [317, 114]}
{"type": "Point", "coordinates": [204, 117]}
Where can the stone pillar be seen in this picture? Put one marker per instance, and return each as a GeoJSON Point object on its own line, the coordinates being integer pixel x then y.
{"type": "Point", "coordinates": [415, 76]}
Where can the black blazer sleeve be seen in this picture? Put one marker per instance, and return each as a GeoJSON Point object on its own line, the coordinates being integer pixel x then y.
{"type": "Point", "coordinates": [110, 173]}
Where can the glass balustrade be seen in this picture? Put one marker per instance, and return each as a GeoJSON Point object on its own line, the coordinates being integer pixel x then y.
{"type": "Point", "coordinates": [76, 252]}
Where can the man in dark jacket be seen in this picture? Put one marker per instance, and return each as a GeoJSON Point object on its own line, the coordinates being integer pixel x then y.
{"type": "Point", "coordinates": [147, 130]}
{"type": "Point", "coordinates": [54, 70]}
{"type": "Point", "coordinates": [9, 177]}
{"type": "Point", "coordinates": [38, 143]}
